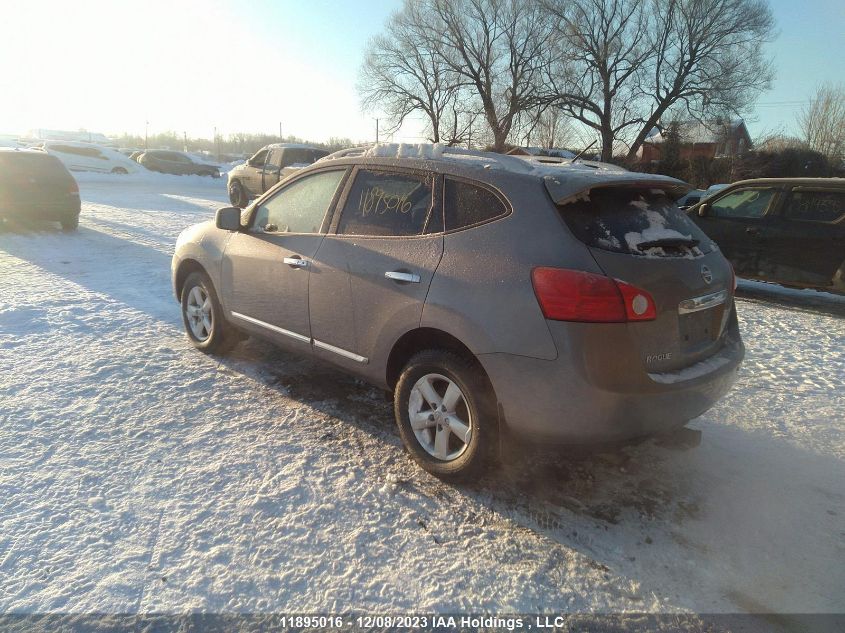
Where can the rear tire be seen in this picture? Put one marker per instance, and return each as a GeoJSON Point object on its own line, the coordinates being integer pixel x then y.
{"type": "Point", "coordinates": [119, 170]}
{"type": "Point", "coordinates": [455, 442]}
{"type": "Point", "coordinates": [70, 224]}
{"type": "Point", "coordinates": [202, 315]}
{"type": "Point", "coordinates": [238, 195]}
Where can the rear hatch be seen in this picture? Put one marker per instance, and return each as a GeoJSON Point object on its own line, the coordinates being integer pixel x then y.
{"type": "Point", "coordinates": [35, 179]}
{"type": "Point", "coordinates": [638, 235]}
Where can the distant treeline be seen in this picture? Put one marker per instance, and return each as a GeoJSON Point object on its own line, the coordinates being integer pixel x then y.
{"type": "Point", "coordinates": [236, 144]}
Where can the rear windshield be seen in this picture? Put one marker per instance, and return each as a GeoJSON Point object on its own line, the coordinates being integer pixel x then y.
{"type": "Point", "coordinates": [642, 222]}
{"type": "Point", "coordinates": [21, 164]}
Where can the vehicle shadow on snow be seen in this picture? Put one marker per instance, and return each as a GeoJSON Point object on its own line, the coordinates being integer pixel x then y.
{"type": "Point", "coordinates": [816, 302]}
{"type": "Point", "coordinates": [78, 256]}
{"type": "Point", "coordinates": [650, 506]}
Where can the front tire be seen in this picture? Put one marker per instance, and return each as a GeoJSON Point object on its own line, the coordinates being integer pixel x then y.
{"type": "Point", "coordinates": [70, 223]}
{"type": "Point", "coordinates": [238, 195]}
{"type": "Point", "coordinates": [121, 171]}
{"type": "Point", "coordinates": [445, 410]}
{"type": "Point", "coordinates": [203, 318]}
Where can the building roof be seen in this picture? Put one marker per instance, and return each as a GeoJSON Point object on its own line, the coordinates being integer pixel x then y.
{"type": "Point", "coordinates": [697, 131]}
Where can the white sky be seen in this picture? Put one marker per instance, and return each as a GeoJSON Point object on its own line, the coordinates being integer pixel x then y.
{"type": "Point", "coordinates": [191, 65]}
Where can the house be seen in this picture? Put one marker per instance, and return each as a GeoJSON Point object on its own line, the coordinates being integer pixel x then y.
{"type": "Point", "coordinates": [711, 139]}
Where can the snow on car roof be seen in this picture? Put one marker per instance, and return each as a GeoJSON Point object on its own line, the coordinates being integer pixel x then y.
{"type": "Point", "coordinates": [564, 178]}
{"type": "Point", "coordinates": [293, 146]}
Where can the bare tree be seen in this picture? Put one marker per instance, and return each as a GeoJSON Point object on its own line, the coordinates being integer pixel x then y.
{"type": "Point", "coordinates": [823, 122]}
{"type": "Point", "coordinates": [603, 49]}
{"type": "Point", "coordinates": [403, 74]}
{"type": "Point", "coordinates": [500, 48]}
{"type": "Point", "coordinates": [625, 64]}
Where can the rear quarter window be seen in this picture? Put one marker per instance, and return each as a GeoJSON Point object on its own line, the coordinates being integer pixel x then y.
{"type": "Point", "coordinates": [40, 165]}
{"type": "Point", "coordinates": [642, 222]}
{"type": "Point", "coordinates": [466, 204]}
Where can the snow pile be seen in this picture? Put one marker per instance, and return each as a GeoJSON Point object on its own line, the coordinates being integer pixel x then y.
{"type": "Point", "coordinates": [424, 151]}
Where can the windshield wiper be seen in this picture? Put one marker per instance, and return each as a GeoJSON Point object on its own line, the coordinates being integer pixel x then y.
{"type": "Point", "coordinates": [671, 242]}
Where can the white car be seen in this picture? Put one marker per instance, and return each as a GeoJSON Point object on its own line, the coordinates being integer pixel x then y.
{"type": "Point", "coordinates": [78, 156]}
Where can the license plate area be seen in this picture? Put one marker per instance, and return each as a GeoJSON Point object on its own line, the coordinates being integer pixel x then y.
{"type": "Point", "coordinates": [701, 328]}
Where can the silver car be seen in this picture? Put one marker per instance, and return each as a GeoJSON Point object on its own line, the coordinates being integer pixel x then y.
{"type": "Point", "coordinates": [493, 296]}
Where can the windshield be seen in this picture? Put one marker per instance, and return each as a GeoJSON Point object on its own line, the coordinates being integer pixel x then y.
{"type": "Point", "coordinates": [643, 222]}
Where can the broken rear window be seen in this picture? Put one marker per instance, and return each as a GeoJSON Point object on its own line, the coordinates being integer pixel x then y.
{"type": "Point", "coordinates": [642, 222]}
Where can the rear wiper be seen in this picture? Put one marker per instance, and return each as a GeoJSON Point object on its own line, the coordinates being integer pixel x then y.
{"type": "Point", "coordinates": [671, 242]}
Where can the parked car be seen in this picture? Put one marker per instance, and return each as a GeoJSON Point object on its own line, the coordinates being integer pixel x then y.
{"type": "Point", "coordinates": [267, 167]}
{"type": "Point", "coordinates": [787, 230]}
{"type": "Point", "coordinates": [691, 197]}
{"type": "Point", "coordinates": [557, 303]}
{"type": "Point", "coordinates": [78, 156]}
{"type": "Point", "coordinates": [178, 163]}
{"type": "Point", "coordinates": [35, 184]}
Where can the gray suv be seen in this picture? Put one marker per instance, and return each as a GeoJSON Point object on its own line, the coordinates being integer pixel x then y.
{"type": "Point", "coordinates": [489, 293]}
{"type": "Point", "coordinates": [267, 167]}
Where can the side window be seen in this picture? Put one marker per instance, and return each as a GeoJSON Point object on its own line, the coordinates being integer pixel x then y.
{"type": "Point", "coordinates": [816, 206]}
{"type": "Point", "coordinates": [466, 205]}
{"type": "Point", "coordinates": [383, 203]}
{"type": "Point", "coordinates": [300, 207]}
{"type": "Point", "coordinates": [274, 162]}
{"type": "Point", "coordinates": [298, 156]}
{"type": "Point", "coordinates": [745, 203]}
{"type": "Point", "coordinates": [258, 159]}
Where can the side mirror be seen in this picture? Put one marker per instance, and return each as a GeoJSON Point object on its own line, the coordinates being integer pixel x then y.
{"type": "Point", "coordinates": [703, 210]}
{"type": "Point", "coordinates": [228, 219]}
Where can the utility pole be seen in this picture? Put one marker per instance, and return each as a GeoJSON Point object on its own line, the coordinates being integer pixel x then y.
{"type": "Point", "coordinates": [376, 131]}
{"type": "Point", "coordinates": [280, 132]}
{"type": "Point", "coordinates": [216, 144]}
{"type": "Point", "coordinates": [146, 134]}
{"type": "Point", "coordinates": [185, 137]}
{"type": "Point", "coordinates": [469, 136]}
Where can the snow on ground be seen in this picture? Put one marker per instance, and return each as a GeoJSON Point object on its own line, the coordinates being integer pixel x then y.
{"type": "Point", "coordinates": [139, 475]}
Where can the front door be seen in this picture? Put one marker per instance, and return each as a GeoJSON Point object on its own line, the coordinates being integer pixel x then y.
{"type": "Point", "coordinates": [266, 267]}
{"type": "Point", "coordinates": [735, 221]}
{"type": "Point", "coordinates": [272, 169]}
{"type": "Point", "coordinates": [372, 272]}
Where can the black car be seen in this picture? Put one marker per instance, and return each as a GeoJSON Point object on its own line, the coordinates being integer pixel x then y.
{"type": "Point", "coordinates": [171, 162]}
{"type": "Point", "coordinates": [34, 184]}
{"type": "Point", "coordinates": [787, 230]}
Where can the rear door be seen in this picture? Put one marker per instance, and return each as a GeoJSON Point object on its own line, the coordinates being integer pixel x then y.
{"type": "Point", "coordinates": [640, 237]}
{"type": "Point", "coordinates": [265, 268]}
{"type": "Point", "coordinates": [372, 272]}
{"type": "Point", "coordinates": [804, 243]}
{"type": "Point", "coordinates": [736, 222]}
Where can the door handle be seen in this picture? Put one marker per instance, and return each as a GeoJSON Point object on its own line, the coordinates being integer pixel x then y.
{"type": "Point", "coordinates": [752, 230]}
{"type": "Point", "coordinates": [408, 278]}
{"type": "Point", "coordinates": [296, 262]}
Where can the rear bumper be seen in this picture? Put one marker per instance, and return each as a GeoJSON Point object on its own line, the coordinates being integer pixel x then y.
{"type": "Point", "coordinates": [52, 211]}
{"type": "Point", "coordinates": [572, 401]}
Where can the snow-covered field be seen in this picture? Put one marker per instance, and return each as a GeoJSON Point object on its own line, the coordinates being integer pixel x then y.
{"type": "Point", "coordinates": [139, 475]}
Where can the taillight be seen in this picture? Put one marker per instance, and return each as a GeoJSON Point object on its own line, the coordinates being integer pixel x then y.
{"type": "Point", "coordinates": [74, 187]}
{"type": "Point", "coordinates": [733, 277]}
{"type": "Point", "coordinates": [574, 295]}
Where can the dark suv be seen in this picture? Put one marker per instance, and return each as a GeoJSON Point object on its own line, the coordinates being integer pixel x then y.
{"type": "Point", "coordinates": [787, 230]}
{"type": "Point", "coordinates": [267, 167]}
{"type": "Point", "coordinates": [178, 163]}
{"type": "Point", "coordinates": [35, 184]}
{"type": "Point", "coordinates": [487, 292]}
